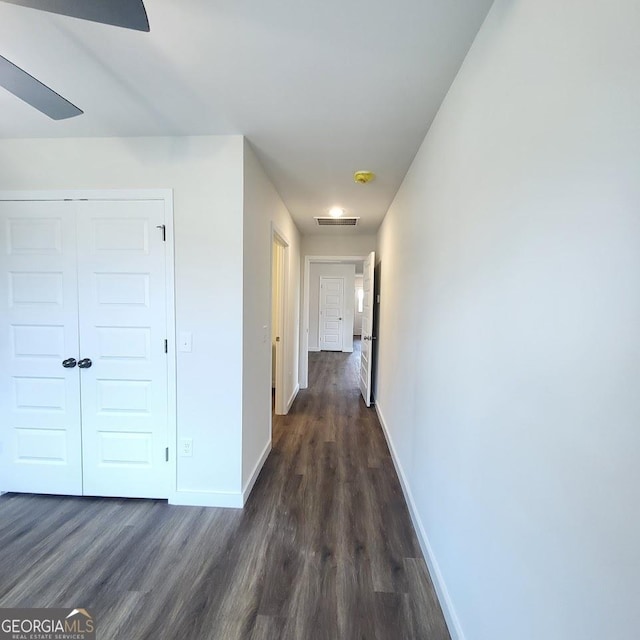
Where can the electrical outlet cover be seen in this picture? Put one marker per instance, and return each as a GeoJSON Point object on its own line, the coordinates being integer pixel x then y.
{"type": "Point", "coordinates": [186, 447]}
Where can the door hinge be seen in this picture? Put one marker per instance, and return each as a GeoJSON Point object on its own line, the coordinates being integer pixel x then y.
{"type": "Point", "coordinates": [164, 231]}
{"type": "Point", "coordinates": [166, 346]}
{"type": "Point", "coordinates": [166, 454]}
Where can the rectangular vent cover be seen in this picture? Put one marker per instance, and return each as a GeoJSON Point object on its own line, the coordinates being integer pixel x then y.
{"type": "Point", "coordinates": [337, 222]}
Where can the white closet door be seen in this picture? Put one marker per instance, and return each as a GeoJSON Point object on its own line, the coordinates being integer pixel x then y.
{"type": "Point", "coordinates": [123, 324]}
{"type": "Point", "coordinates": [331, 313]}
{"type": "Point", "coordinates": [40, 440]}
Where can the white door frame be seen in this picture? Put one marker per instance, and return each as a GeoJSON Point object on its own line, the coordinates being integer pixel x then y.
{"type": "Point", "coordinates": [165, 195]}
{"type": "Point", "coordinates": [277, 237]}
{"type": "Point", "coordinates": [304, 329]}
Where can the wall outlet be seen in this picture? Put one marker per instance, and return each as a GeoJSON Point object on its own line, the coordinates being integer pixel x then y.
{"type": "Point", "coordinates": [186, 447]}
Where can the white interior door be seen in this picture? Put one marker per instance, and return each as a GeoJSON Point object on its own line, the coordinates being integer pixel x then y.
{"type": "Point", "coordinates": [278, 293]}
{"type": "Point", "coordinates": [367, 328]}
{"type": "Point", "coordinates": [331, 313]}
{"type": "Point", "coordinates": [123, 328]}
{"type": "Point", "coordinates": [40, 439]}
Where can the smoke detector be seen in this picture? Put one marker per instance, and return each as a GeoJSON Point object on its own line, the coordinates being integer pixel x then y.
{"type": "Point", "coordinates": [362, 177]}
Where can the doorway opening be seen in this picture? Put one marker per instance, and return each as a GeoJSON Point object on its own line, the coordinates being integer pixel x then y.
{"type": "Point", "coordinates": [332, 308]}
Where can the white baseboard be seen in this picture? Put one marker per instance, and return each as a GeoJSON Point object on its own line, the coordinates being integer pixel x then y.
{"type": "Point", "coordinates": [223, 499]}
{"type": "Point", "coordinates": [293, 397]}
{"type": "Point", "coordinates": [453, 623]}
{"type": "Point", "coordinates": [255, 473]}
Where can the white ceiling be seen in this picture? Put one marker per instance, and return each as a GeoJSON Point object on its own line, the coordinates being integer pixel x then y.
{"type": "Point", "coordinates": [321, 88]}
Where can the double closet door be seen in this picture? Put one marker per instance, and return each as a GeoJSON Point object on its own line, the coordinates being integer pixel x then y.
{"type": "Point", "coordinates": [83, 364]}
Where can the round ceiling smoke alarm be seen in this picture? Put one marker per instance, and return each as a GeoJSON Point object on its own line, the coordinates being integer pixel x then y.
{"type": "Point", "coordinates": [362, 177]}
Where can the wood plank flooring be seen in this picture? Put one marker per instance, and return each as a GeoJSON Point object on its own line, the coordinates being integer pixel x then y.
{"type": "Point", "coordinates": [324, 548]}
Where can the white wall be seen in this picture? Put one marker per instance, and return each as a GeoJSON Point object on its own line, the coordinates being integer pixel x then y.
{"type": "Point", "coordinates": [514, 243]}
{"type": "Point", "coordinates": [347, 244]}
{"type": "Point", "coordinates": [262, 209]}
{"type": "Point", "coordinates": [357, 315]}
{"type": "Point", "coordinates": [317, 271]}
{"type": "Point", "coordinates": [206, 176]}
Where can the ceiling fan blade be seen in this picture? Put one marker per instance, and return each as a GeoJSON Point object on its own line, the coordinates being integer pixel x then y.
{"type": "Point", "coordinates": [32, 91]}
{"type": "Point", "coordinates": [130, 14]}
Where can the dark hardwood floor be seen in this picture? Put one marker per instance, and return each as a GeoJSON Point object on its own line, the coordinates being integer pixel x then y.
{"type": "Point", "coordinates": [323, 550]}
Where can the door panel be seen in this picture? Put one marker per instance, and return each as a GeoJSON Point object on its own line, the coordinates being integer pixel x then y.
{"type": "Point", "coordinates": [40, 431]}
{"type": "Point", "coordinates": [367, 329]}
{"type": "Point", "coordinates": [122, 331]}
{"type": "Point", "coordinates": [331, 313]}
{"type": "Point", "coordinates": [279, 270]}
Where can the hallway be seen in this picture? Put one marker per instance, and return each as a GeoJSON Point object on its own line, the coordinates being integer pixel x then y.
{"type": "Point", "coordinates": [323, 550]}
{"type": "Point", "coordinates": [359, 569]}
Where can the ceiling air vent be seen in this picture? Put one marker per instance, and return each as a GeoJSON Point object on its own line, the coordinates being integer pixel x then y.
{"type": "Point", "coordinates": [337, 222]}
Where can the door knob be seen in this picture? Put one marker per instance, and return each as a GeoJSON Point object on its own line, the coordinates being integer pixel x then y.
{"type": "Point", "coordinates": [85, 363]}
{"type": "Point", "coordinates": [69, 363]}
